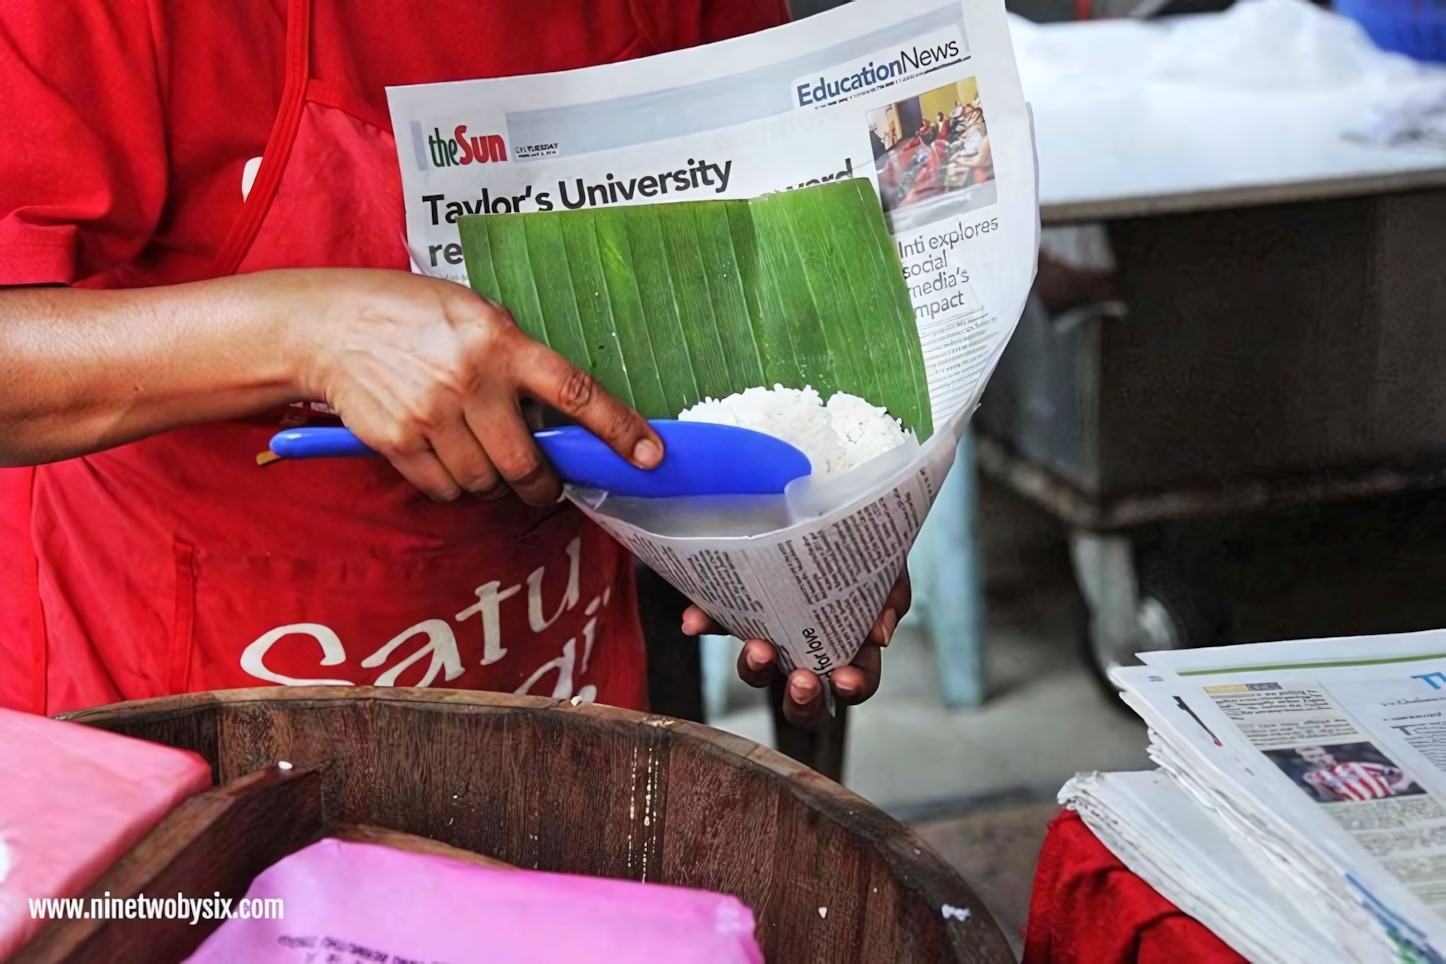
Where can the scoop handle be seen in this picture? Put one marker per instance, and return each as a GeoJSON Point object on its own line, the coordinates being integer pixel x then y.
{"type": "Point", "coordinates": [327, 442]}
{"type": "Point", "coordinates": [699, 458]}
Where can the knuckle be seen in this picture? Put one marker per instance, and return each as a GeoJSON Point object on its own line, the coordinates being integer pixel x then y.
{"type": "Point", "coordinates": [431, 414]}
{"type": "Point", "coordinates": [434, 484]}
{"type": "Point", "coordinates": [501, 332]}
{"type": "Point", "coordinates": [399, 440]}
{"type": "Point", "coordinates": [421, 416]}
{"type": "Point", "coordinates": [527, 473]}
{"type": "Point", "coordinates": [532, 480]}
{"type": "Point", "coordinates": [577, 391]}
{"type": "Point", "coordinates": [497, 491]}
{"type": "Point", "coordinates": [471, 306]}
{"type": "Point", "coordinates": [622, 421]}
{"type": "Point", "coordinates": [494, 331]}
{"type": "Point", "coordinates": [495, 314]}
{"type": "Point", "coordinates": [757, 680]}
{"type": "Point", "coordinates": [481, 481]}
{"type": "Point", "coordinates": [488, 339]}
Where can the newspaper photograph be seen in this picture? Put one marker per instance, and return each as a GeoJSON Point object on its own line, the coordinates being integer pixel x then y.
{"type": "Point", "coordinates": [920, 97]}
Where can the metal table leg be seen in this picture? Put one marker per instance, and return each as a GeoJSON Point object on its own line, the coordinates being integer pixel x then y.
{"type": "Point", "coordinates": [949, 583]}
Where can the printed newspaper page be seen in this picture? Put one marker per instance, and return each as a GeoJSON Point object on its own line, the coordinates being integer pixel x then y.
{"type": "Point", "coordinates": [1292, 846]}
{"type": "Point", "coordinates": [919, 96]}
{"type": "Point", "coordinates": [1351, 738]}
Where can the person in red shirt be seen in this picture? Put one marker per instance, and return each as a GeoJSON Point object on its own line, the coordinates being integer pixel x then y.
{"type": "Point", "coordinates": [201, 229]}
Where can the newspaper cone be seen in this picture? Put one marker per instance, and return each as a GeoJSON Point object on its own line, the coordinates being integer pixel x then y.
{"type": "Point", "coordinates": [919, 97]}
{"type": "Point", "coordinates": [808, 570]}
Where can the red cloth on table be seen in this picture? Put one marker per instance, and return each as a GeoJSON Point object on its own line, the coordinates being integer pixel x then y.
{"type": "Point", "coordinates": [1088, 908]}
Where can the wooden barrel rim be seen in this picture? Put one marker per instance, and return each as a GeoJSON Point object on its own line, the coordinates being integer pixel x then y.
{"type": "Point", "coordinates": [168, 707]}
{"type": "Point", "coordinates": [915, 864]}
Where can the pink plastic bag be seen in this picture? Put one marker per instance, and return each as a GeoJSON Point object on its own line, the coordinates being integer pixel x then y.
{"type": "Point", "coordinates": [72, 800]}
{"type": "Point", "coordinates": [353, 903]}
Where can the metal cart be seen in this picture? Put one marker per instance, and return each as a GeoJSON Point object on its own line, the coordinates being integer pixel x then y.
{"type": "Point", "coordinates": [1241, 357]}
{"type": "Point", "coordinates": [1238, 310]}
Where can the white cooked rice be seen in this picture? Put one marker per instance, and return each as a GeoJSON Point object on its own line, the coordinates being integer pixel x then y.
{"type": "Point", "coordinates": [836, 437]}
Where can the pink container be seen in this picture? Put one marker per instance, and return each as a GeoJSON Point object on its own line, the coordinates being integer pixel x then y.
{"type": "Point", "coordinates": [365, 902]}
{"type": "Point", "coordinates": [72, 800]}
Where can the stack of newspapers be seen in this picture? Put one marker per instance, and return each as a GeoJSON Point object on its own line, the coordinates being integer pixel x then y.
{"type": "Point", "coordinates": [1299, 808]}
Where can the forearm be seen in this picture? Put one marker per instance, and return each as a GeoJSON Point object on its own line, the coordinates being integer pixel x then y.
{"type": "Point", "coordinates": [427, 373]}
{"type": "Point", "coordinates": [87, 370]}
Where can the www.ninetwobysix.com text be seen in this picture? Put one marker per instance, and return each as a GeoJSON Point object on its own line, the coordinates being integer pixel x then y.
{"type": "Point", "coordinates": [141, 907]}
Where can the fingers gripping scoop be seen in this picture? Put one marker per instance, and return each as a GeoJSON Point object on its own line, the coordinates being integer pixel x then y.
{"type": "Point", "coordinates": [699, 459]}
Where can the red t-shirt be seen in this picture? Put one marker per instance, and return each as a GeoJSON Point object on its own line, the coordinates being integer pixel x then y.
{"type": "Point", "coordinates": [125, 125]}
{"type": "Point", "coordinates": [174, 563]}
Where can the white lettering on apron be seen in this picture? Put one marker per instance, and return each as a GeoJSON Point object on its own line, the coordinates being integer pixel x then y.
{"type": "Point", "coordinates": [563, 664]}
{"type": "Point", "coordinates": [332, 653]}
{"type": "Point", "coordinates": [441, 646]}
{"type": "Point", "coordinates": [589, 632]}
{"type": "Point", "coordinates": [569, 598]}
{"type": "Point", "coordinates": [489, 605]}
{"type": "Point", "coordinates": [441, 643]}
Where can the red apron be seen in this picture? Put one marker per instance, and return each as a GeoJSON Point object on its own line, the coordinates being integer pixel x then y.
{"type": "Point", "coordinates": [177, 564]}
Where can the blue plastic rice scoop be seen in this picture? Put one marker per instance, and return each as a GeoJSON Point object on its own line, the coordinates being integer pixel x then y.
{"type": "Point", "coordinates": [700, 458]}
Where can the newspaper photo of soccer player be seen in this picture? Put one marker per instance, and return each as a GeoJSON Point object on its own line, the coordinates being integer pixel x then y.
{"type": "Point", "coordinates": [929, 147]}
{"type": "Point", "coordinates": [1344, 772]}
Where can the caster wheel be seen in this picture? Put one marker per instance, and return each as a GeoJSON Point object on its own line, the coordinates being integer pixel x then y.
{"type": "Point", "coordinates": [1176, 607]}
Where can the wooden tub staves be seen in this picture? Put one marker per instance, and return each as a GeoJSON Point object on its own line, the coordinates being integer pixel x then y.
{"type": "Point", "coordinates": [535, 783]}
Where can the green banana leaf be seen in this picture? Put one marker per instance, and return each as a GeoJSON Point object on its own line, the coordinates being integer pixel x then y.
{"type": "Point", "coordinates": [666, 304]}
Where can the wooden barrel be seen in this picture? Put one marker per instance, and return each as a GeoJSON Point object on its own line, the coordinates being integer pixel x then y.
{"type": "Point", "coordinates": [597, 790]}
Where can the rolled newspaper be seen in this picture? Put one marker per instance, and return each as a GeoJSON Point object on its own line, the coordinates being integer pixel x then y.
{"type": "Point", "coordinates": [919, 97]}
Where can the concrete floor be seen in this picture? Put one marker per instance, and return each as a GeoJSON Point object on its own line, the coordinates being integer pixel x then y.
{"type": "Point", "coordinates": [979, 785]}
{"type": "Point", "coordinates": [995, 848]}
{"type": "Point", "coordinates": [1046, 719]}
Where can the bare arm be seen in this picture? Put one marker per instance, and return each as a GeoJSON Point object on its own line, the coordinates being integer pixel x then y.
{"type": "Point", "coordinates": [426, 372]}
{"type": "Point", "coordinates": [87, 370]}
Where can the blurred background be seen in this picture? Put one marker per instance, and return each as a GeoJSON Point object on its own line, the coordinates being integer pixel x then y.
{"type": "Point", "coordinates": [1221, 419]}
